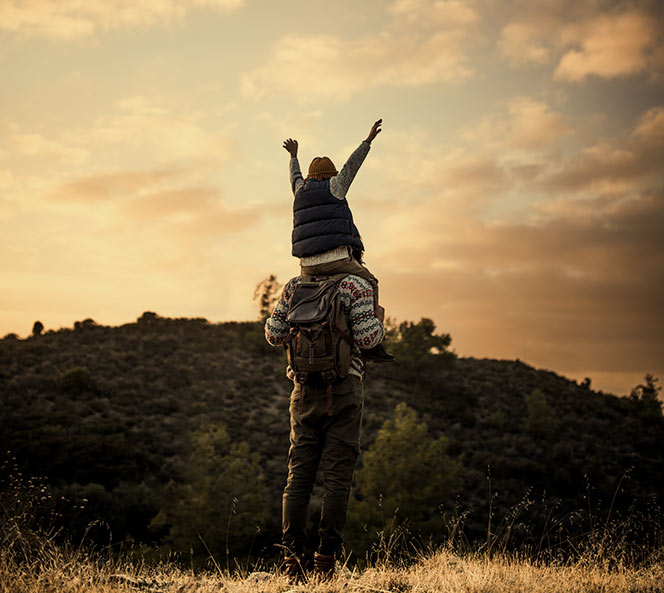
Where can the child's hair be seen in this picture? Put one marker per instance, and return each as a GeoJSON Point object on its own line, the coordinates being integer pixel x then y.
{"type": "Point", "coordinates": [357, 254]}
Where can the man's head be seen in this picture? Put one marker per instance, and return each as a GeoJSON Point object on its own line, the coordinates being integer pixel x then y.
{"type": "Point", "coordinates": [322, 168]}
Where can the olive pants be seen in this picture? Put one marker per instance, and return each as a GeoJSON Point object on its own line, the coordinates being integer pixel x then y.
{"type": "Point", "coordinates": [334, 443]}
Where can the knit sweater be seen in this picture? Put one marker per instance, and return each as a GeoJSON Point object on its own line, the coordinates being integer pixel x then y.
{"type": "Point", "coordinates": [357, 301]}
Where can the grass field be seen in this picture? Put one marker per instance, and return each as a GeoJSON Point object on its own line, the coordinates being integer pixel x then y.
{"type": "Point", "coordinates": [53, 570]}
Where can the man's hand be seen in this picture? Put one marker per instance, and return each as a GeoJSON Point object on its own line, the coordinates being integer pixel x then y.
{"type": "Point", "coordinates": [291, 146]}
{"type": "Point", "coordinates": [375, 130]}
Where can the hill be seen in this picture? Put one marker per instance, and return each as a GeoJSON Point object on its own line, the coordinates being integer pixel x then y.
{"type": "Point", "coordinates": [107, 414]}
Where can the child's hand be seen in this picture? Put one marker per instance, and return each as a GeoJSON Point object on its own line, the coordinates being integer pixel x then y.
{"type": "Point", "coordinates": [375, 130]}
{"type": "Point", "coordinates": [291, 146]}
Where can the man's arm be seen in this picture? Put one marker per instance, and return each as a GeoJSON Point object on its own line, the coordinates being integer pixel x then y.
{"type": "Point", "coordinates": [296, 178]}
{"type": "Point", "coordinates": [276, 328]}
{"type": "Point", "coordinates": [339, 184]}
{"type": "Point", "coordinates": [368, 330]}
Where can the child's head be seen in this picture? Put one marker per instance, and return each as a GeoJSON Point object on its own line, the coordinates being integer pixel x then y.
{"type": "Point", "coordinates": [322, 168]}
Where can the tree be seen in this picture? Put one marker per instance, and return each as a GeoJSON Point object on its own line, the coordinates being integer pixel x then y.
{"type": "Point", "coordinates": [541, 419]}
{"type": "Point", "coordinates": [37, 328]}
{"type": "Point", "coordinates": [267, 294]}
{"type": "Point", "coordinates": [648, 394]}
{"type": "Point", "coordinates": [406, 475]}
{"type": "Point", "coordinates": [220, 505]}
{"type": "Point", "coordinates": [417, 348]}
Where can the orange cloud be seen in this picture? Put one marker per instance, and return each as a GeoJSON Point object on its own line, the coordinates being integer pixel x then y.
{"type": "Point", "coordinates": [190, 210]}
{"type": "Point", "coordinates": [161, 130]}
{"type": "Point", "coordinates": [36, 145]}
{"type": "Point", "coordinates": [617, 167]}
{"type": "Point", "coordinates": [608, 46]}
{"type": "Point", "coordinates": [571, 278]}
{"type": "Point", "coordinates": [158, 198]}
{"type": "Point", "coordinates": [425, 43]}
{"type": "Point", "coordinates": [105, 186]}
{"type": "Point", "coordinates": [72, 19]}
{"type": "Point", "coordinates": [523, 124]}
{"type": "Point", "coordinates": [571, 294]}
{"type": "Point", "coordinates": [520, 43]}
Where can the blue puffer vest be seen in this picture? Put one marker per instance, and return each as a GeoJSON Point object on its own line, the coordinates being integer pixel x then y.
{"type": "Point", "coordinates": [321, 222]}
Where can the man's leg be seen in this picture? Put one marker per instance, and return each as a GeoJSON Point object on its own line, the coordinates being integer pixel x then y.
{"type": "Point", "coordinates": [340, 453]}
{"type": "Point", "coordinates": [303, 459]}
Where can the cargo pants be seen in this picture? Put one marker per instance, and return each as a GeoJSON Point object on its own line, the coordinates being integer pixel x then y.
{"type": "Point", "coordinates": [333, 442]}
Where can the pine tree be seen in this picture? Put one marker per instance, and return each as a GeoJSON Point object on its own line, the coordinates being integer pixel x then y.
{"type": "Point", "coordinates": [541, 419]}
{"type": "Point", "coordinates": [221, 503]}
{"type": "Point", "coordinates": [405, 476]}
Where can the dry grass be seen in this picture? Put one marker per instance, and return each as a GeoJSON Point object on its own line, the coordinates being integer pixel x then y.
{"type": "Point", "coordinates": [75, 571]}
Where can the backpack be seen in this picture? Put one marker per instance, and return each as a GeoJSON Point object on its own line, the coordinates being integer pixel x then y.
{"type": "Point", "coordinates": [319, 341]}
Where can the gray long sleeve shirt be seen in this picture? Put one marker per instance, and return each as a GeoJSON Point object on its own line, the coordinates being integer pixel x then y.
{"type": "Point", "coordinates": [340, 183]}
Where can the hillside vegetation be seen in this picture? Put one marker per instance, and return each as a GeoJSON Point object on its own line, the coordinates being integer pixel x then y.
{"type": "Point", "coordinates": [174, 433]}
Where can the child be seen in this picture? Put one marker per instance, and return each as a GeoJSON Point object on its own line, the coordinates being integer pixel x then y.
{"type": "Point", "coordinates": [325, 237]}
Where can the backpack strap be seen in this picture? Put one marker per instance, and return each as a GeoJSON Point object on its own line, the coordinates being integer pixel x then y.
{"type": "Point", "coordinates": [322, 277]}
{"type": "Point", "coordinates": [329, 377]}
{"type": "Point", "coordinates": [301, 378]}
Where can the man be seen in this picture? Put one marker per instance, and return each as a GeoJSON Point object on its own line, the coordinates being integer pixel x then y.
{"type": "Point", "coordinates": [320, 435]}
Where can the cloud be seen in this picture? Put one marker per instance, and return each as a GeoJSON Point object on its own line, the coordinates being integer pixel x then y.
{"type": "Point", "coordinates": [519, 43]}
{"type": "Point", "coordinates": [618, 166]}
{"type": "Point", "coordinates": [425, 43]}
{"type": "Point", "coordinates": [650, 128]}
{"type": "Point", "coordinates": [607, 46]}
{"type": "Point", "coordinates": [594, 38]}
{"type": "Point", "coordinates": [161, 130]}
{"type": "Point", "coordinates": [523, 124]}
{"type": "Point", "coordinates": [572, 293]}
{"type": "Point", "coordinates": [158, 198]}
{"type": "Point", "coordinates": [191, 210]}
{"type": "Point", "coordinates": [434, 14]}
{"type": "Point", "coordinates": [571, 278]}
{"type": "Point", "coordinates": [98, 188]}
{"type": "Point", "coordinates": [72, 19]}
{"type": "Point", "coordinates": [36, 145]}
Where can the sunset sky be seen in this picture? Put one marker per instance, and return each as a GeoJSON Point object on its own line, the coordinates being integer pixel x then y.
{"type": "Point", "coordinates": [515, 196]}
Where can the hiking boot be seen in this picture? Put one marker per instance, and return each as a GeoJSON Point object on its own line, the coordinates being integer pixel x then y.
{"type": "Point", "coordinates": [378, 354]}
{"type": "Point", "coordinates": [324, 566]}
{"type": "Point", "coordinates": [294, 570]}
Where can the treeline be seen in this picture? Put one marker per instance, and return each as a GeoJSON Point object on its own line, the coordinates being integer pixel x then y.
{"type": "Point", "coordinates": [173, 433]}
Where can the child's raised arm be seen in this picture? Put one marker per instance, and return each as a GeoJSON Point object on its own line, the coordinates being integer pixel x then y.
{"type": "Point", "coordinates": [296, 178]}
{"type": "Point", "coordinates": [340, 183]}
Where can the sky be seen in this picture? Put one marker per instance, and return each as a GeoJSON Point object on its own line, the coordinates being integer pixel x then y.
{"type": "Point", "coordinates": [515, 195]}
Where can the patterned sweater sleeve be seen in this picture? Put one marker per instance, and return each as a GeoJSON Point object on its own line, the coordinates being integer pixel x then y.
{"type": "Point", "coordinates": [276, 328]}
{"type": "Point", "coordinates": [367, 329]}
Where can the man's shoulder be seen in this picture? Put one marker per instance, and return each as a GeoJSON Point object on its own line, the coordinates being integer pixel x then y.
{"type": "Point", "coordinates": [357, 287]}
{"type": "Point", "coordinates": [350, 285]}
